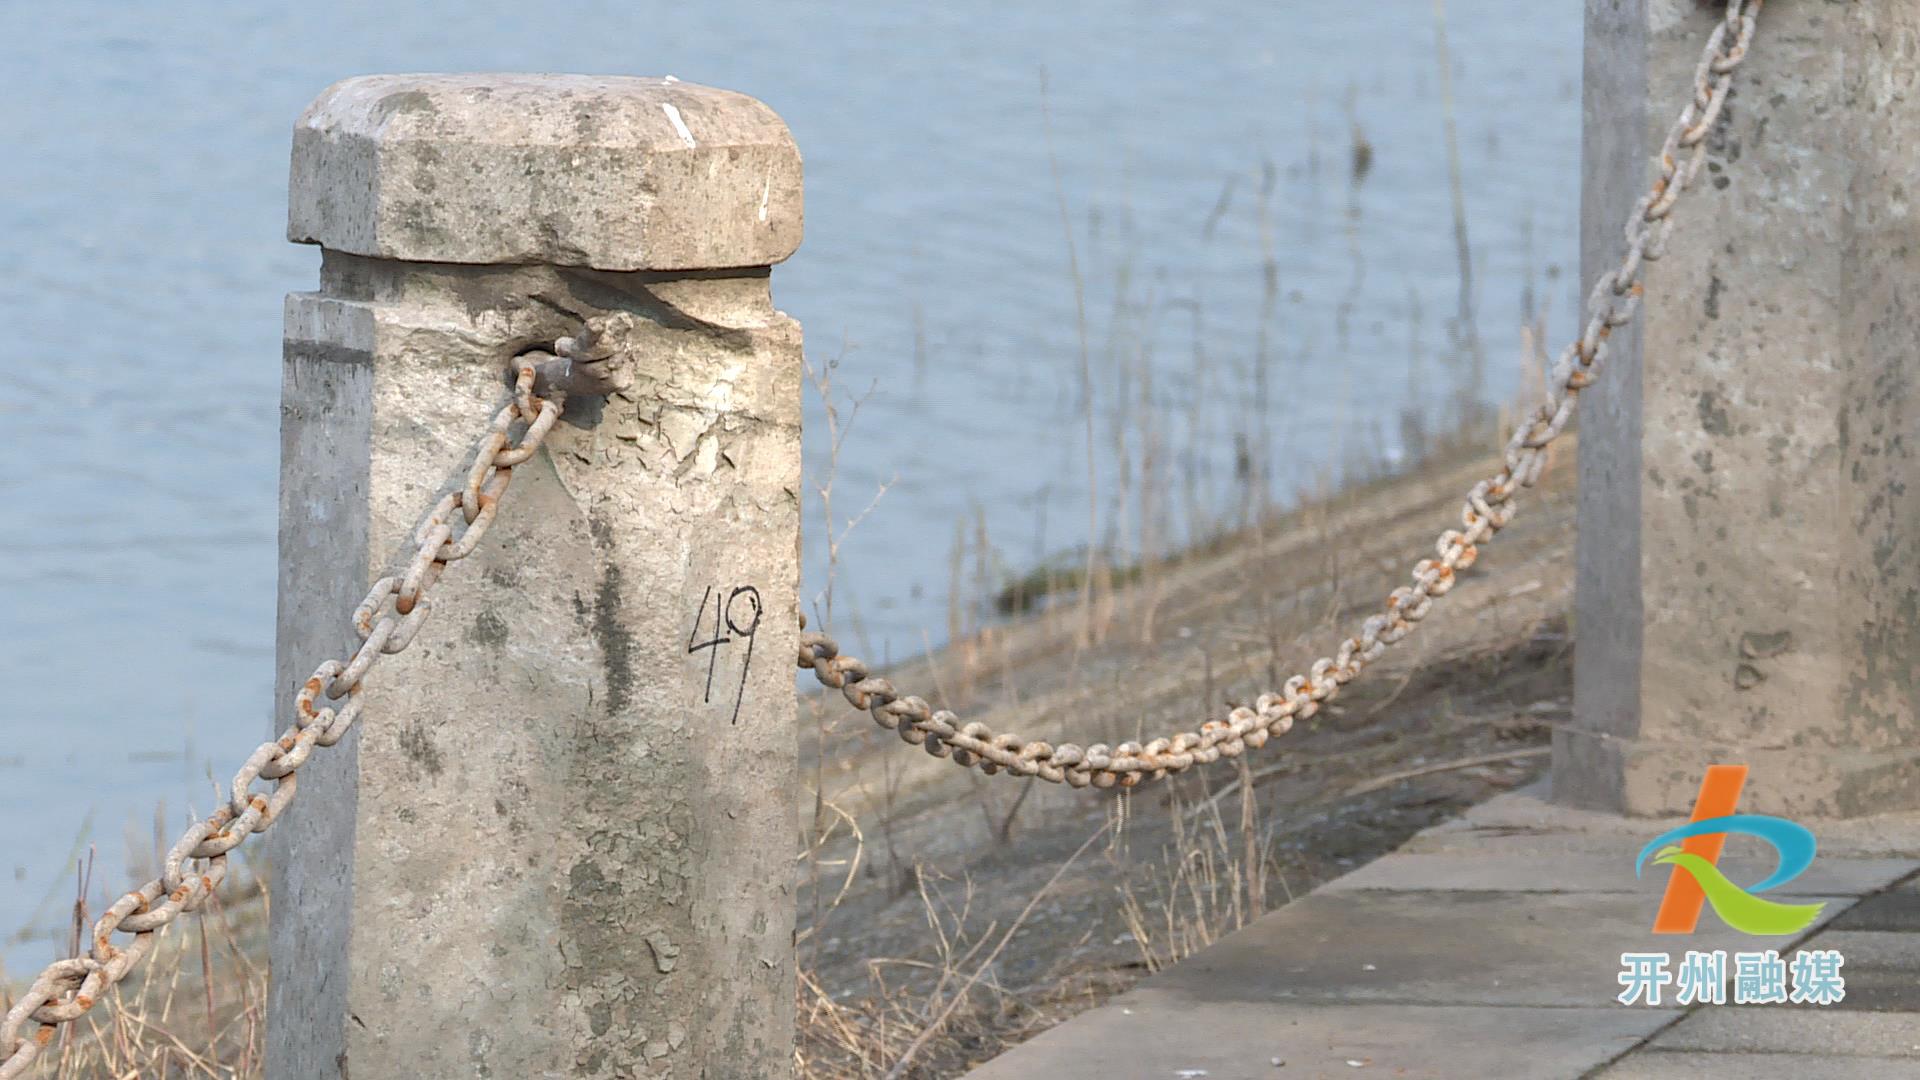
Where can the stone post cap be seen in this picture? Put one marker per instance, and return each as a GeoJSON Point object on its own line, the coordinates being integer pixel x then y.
{"type": "Point", "coordinates": [609, 172]}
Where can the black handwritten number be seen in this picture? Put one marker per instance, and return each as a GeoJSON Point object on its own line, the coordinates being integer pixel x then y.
{"type": "Point", "coordinates": [752, 596]}
{"type": "Point", "coordinates": [741, 606]}
{"type": "Point", "coordinates": [719, 638]}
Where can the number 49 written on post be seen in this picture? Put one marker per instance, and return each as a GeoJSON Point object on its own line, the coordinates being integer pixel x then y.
{"type": "Point", "coordinates": [736, 617]}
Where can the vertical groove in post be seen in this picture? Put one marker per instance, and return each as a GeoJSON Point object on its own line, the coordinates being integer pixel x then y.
{"type": "Point", "coordinates": [325, 437]}
{"type": "Point", "coordinates": [1614, 171]}
{"type": "Point", "coordinates": [560, 842]}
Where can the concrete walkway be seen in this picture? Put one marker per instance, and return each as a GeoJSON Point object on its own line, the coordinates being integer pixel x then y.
{"type": "Point", "coordinates": [1490, 946]}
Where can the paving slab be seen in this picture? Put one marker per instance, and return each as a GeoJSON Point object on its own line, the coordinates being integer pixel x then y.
{"type": "Point", "coordinates": [1882, 970]}
{"type": "Point", "coordinates": [1795, 1029]}
{"type": "Point", "coordinates": [1664, 1065]}
{"type": "Point", "coordinates": [1896, 909]}
{"type": "Point", "coordinates": [1150, 1034]}
{"type": "Point", "coordinates": [1531, 811]}
{"type": "Point", "coordinates": [1888, 949]}
{"type": "Point", "coordinates": [1509, 867]}
{"type": "Point", "coordinates": [1881, 990]}
{"type": "Point", "coordinates": [1443, 948]}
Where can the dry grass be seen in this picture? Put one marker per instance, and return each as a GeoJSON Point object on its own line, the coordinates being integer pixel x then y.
{"type": "Point", "coordinates": [1208, 881]}
{"type": "Point", "coordinates": [925, 1016]}
{"type": "Point", "coordinates": [947, 1009]}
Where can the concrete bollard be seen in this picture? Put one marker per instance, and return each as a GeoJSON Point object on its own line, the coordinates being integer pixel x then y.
{"type": "Point", "coordinates": [560, 841]}
{"type": "Point", "coordinates": [1749, 521]}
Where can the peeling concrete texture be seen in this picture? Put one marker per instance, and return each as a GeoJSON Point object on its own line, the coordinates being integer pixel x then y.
{"type": "Point", "coordinates": [558, 843]}
{"type": "Point", "coordinates": [612, 172]}
{"type": "Point", "coordinates": [1749, 531]}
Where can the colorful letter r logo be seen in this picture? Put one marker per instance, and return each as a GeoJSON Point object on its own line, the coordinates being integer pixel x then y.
{"type": "Point", "coordinates": [1719, 794]}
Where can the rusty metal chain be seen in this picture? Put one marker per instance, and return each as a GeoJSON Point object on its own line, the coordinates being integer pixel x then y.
{"type": "Point", "coordinates": [1489, 506]}
{"type": "Point", "coordinates": [388, 620]}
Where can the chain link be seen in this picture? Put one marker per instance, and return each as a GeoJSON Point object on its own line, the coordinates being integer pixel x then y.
{"type": "Point", "coordinates": [1490, 504]}
{"type": "Point", "coordinates": [387, 621]}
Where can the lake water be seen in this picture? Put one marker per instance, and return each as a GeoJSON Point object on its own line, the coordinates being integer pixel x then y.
{"type": "Point", "coordinates": [144, 259]}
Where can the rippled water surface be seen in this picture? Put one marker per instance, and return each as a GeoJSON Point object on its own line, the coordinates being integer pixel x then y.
{"type": "Point", "coordinates": [143, 260]}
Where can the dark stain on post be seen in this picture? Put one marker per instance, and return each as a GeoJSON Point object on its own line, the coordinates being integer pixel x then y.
{"type": "Point", "coordinates": [488, 629]}
{"type": "Point", "coordinates": [407, 101]}
{"type": "Point", "coordinates": [616, 644]}
{"type": "Point", "coordinates": [589, 885]}
{"type": "Point", "coordinates": [1756, 646]}
{"type": "Point", "coordinates": [1765, 646]}
{"type": "Point", "coordinates": [1713, 415]}
{"type": "Point", "coordinates": [417, 743]}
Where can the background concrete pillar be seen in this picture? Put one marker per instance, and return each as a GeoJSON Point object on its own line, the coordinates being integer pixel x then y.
{"type": "Point", "coordinates": [560, 841]}
{"type": "Point", "coordinates": [1749, 524]}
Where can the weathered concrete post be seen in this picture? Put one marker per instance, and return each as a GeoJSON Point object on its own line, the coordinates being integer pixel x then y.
{"type": "Point", "coordinates": [560, 841]}
{"type": "Point", "coordinates": [1749, 526]}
